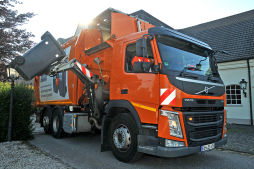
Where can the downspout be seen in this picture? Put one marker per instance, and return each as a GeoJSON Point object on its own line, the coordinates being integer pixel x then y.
{"type": "Point", "coordinates": [251, 117]}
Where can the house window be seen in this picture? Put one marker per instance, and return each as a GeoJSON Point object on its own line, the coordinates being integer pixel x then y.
{"type": "Point", "coordinates": [233, 94]}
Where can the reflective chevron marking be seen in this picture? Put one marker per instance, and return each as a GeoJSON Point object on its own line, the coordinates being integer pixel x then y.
{"type": "Point", "coordinates": [84, 70]}
{"type": "Point", "coordinates": [167, 96]}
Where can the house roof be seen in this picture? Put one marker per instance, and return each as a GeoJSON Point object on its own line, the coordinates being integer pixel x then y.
{"type": "Point", "coordinates": [234, 34]}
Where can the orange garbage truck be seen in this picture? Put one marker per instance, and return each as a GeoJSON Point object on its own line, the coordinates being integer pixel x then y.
{"type": "Point", "coordinates": [146, 88]}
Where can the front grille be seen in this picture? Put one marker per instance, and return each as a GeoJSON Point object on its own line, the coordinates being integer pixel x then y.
{"type": "Point", "coordinates": [211, 101]}
{"type": "Point", "coordinates": [203, 127]}
{"type": "Point", "coordinates": [204, 118]}
{"type": "Point", "coordinates": [204, 133]}
{"type": "Point", "coordinates": [201, 101]}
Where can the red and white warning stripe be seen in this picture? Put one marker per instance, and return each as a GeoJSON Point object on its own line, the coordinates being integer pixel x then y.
{"type": "Point", "coordinates": [167, 96]}
{"type": "Point", "coordinates": [84, 70]}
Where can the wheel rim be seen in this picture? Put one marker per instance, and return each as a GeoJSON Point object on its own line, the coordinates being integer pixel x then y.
{"type": "Point", "coordinates": [122, 138]}
{"type": "Point", "coordinates": [56, 124]}
{"type": "Point", "coordinates": [46, 121]}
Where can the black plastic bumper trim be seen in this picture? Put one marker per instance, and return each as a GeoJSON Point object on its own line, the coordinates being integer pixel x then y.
{"type": "Point", "coordinates": [207, 138]}
{"type": "Point", "coordinates": [182, 151]}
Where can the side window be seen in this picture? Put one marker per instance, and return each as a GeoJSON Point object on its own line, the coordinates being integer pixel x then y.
{"type": "Point", "coordinates": [233, 93]}
{"type": "Point", "coordinates": [130, 56]}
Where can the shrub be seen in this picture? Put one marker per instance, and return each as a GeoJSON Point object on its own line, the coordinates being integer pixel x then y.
{"type": "Point", "coordinates": [22, 128]}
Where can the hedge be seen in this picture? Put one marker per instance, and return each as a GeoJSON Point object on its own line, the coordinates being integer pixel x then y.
{"type": "Point", "coordinates": [22, 128]}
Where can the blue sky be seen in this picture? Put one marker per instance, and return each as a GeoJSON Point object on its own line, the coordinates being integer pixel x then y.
{"type": "Point", "coordinates": [61, 17]}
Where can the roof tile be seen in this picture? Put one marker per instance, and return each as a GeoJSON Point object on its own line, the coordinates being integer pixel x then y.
{"type": "Point", "coordinates": [233, 34]}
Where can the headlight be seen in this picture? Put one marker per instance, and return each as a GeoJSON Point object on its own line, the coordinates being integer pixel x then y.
{"type": "Point", "coordinates": [174, 123]}
{"type": "Point", "coordinates": [171, 143]}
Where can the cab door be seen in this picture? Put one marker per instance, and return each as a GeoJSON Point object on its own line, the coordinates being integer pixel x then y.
{"type": "Point", "coordinates": [141, 89]}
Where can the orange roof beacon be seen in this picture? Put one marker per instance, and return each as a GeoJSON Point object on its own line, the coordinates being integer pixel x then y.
{"type": "Point", "coordinates": [169, 103]}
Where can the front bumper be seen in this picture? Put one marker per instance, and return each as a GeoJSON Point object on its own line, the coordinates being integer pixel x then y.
{"type": "Point", "coordinates": [178, 152]}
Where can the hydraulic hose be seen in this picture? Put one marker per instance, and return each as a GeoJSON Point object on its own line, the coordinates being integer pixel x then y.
{"type": "Point", "coordinates": [95, 122]}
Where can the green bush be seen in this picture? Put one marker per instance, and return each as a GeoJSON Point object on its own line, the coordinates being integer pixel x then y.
{"type": "Point", "coordinates": [22, 128]}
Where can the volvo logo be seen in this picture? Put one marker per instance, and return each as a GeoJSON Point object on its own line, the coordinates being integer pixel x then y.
{"type": "Point", "coordinates": [189, 100]}
{"type": "Point", "coordinates": [206, 90]}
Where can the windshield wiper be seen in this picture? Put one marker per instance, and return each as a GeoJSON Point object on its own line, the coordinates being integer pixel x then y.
{"type": "Point", "coordinates": [183, 72]}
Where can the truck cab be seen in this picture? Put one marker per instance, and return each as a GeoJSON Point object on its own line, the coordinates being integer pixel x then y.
{"type": "Point", "coordinates": [178, 109]}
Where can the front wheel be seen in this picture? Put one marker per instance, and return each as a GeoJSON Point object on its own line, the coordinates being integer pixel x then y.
{"type": "Point", "coordinates": [123, 138]}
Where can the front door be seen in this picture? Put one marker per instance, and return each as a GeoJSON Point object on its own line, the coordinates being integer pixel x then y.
{"type": "Point", "coordinates": [141, 89]}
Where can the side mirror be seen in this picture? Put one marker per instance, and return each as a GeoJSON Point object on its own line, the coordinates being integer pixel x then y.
{"type": "Point", "coordinates": [141, 47]}
{"type": "Point", "coordinates": [138, 67]}
{"type": "Point", "coordinates": [215, 66]}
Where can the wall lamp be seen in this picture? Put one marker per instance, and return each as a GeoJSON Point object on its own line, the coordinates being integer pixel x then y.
{"type": "Point", "coordinates": [243, 85]}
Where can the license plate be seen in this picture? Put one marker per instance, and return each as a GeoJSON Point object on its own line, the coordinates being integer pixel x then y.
{"type": "Point", "coordinates": [207, 147]}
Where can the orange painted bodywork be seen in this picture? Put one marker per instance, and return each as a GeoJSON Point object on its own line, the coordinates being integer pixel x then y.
{"type": "Point", "coordinates": [145, 26]}
{"type": "Point", "coordinates": [123, 25]}
{"type": "Point", "coordinates": [142, 88]}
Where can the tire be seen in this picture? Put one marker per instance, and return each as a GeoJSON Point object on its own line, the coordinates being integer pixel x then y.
{"type": "Point", "coordinates": [57, 122]}
{"type": "Point", "coordinates": [46, 122]}
{"type": "Point", "coordinates": [123, 138]}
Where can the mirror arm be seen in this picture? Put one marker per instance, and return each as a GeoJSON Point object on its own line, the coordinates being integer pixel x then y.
{"type": "Point", "coordinates": [143, 48]}
{"type": "Point", "coordinates": [143, 65]}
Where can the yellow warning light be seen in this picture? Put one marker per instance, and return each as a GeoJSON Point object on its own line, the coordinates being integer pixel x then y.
{"type": "Point", "coordinates": [75, 115]}
{"type": "Point", "coordinates": [190, 118]}
{"type": "Point", "coordinates": [71, 124]}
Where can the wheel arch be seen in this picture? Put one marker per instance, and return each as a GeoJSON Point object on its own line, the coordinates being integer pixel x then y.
{"type": "Point", "coordinates": [113, 108]}
{"type": "Point", "coordinates": [114, 105]}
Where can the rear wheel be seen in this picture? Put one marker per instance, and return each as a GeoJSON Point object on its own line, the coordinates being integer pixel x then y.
{"type": "Point", "coordinates": [57, 122]}
{"type": "Point", "coordinates": [123, 138]}
{"type": "Point", "coordinates": [46, 122]}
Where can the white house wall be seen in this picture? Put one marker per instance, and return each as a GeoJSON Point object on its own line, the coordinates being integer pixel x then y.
{"type": "Point", "coordinates": [233, 73]}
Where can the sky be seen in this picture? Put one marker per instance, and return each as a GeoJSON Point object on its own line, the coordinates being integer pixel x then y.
{"type": "Point", "coordinates": [61, 17]}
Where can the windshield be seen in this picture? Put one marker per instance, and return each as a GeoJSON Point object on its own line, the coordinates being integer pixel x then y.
{"type": "Point", "coordinates": [179, 55]}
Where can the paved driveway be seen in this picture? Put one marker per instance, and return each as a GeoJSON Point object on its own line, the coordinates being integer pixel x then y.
{"type": "Point", "coordinates": [83, 151]}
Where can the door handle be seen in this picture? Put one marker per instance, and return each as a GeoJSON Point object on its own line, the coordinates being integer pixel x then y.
{"type": "Point", "coordinates": [124, 91]}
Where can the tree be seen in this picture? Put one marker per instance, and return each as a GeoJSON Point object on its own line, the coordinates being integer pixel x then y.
{"type": "Point", "coordinates": [13, 39]}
